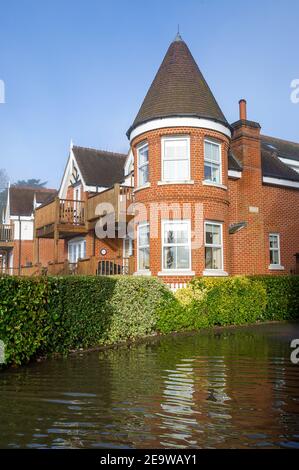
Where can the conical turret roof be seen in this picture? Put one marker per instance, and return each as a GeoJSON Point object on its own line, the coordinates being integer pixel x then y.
{"type": "Point", "coordinates": [179, 89]}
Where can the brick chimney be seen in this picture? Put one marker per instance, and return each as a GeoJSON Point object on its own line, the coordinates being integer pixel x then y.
{"type": "Point", "coordinates": [246, 146]}
{"type": "Point", "coordinates": [246, 138]}
{"type": "Point", "coordinates": [243, 110]}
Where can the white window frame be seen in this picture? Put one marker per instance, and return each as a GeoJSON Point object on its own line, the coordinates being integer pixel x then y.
{"type": "Point", "coordinates": [165, 270]}
{"type": "Point", "coordinates": [138, 148]}
{"type": "Point", "coordinates": [218, 144]}
{"type": "Point", "coordinates": [142, 271]}
{"type": "Point", "coordinates": [175, 138]}
{"type": "Point", "coordinates": [276, 265]}
{"type": "Point", "coordinates": [220, 270]}
{"type": "Point", "coordinates": [75, 243]}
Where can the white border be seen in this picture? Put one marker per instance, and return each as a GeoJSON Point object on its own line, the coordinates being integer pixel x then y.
{"type": "Point", "coordinates": [142, 272]}
{"type": "Point", "coordinates": [175, 138]}
{"type": "Point", "coordinates": [138, 148]}
{"type": "Point", "coordinates": [180, 122]}
{"type": "Point", "coordinates": [180, 271]}
{"type": "Point", "coordinates": [234, 174]}
{"type": "Point", "coordinates": [218, 144]}
{"type": "Point", "coordinates": [218, 271]}
{"type": "Point", "coordinates": [277, 266]}
{"type": "Point", "coordinates": [280, 182]}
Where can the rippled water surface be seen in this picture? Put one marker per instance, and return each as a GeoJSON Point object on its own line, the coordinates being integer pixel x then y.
{"type": "Point", "coordinates": [226, 388]}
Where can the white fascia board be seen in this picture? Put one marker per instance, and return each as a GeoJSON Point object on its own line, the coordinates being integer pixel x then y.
{"type": "Point", "coordinates": [180, 122]}
{"type": "Point", "coordinates": [67, 175]}
{"type": "Point", "coordinates": [22, 217]}
{"type": "Point", "coordinates": [290, 162]}
{"type": "Point", "coordinates": [129, 160]}
{"type": "Point", "coordinates": [95, 189]}
{"type": "Point", "coordinates": [234, 174]}
{"type": "Point", "coordinates": [280, 182]}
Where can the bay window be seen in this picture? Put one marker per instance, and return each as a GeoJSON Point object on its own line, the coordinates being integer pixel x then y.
{"type": "Point", "coordinates": [213, 246]}
{"type": "Point", "coordinates": [175, 159]}
{"type": "Point", "coordinates": [212, 162]}
{"type": "Point", "coordinates": [143, 242]}
{"type": "Point", "coordinates": [176, 245]}
{"type": "Point", "coordinates": [142, 164]}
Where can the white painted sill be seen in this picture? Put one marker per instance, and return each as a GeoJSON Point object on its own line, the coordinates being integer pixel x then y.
{"type": "Point", "coordinates": [276, 267]}
{"type": "Point", "coordinates": [147, 185]}
{"type": "Point", "coordinates": [214, 272]}
{"type": "Point", "coordinates": [164, 183]}
{"type": "Point", "coordinates": [176, 273]}
{"type": "Point", "coordinates": [142, 273]}
{"type": "Point", "coordinates": [216, 185]}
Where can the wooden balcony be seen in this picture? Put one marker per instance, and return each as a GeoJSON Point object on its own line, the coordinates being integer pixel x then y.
{"type": "Point", "coordinates": [6, 235]}
{"type": "Point", "coordinates": [63, 216]}
{"type": "Point", "coordinates": [115, 200]}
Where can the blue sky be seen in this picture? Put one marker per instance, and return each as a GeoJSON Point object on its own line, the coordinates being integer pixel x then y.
{"type": "Point", "coordinates": [80, 69]}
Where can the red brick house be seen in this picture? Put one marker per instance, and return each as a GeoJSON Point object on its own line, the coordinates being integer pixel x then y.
{"type": "Point", "coordinates": [17, 229]}
{"type": "Point", "coordinates": [210, 198]}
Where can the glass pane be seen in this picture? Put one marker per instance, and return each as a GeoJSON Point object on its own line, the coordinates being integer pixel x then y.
{"type": "Point", "coordinates": [274, 257]}
{"type": "Point", "coordinates": [273, 241]}
{"type": "Point", "coordinates": [212, 172]}
{"type": "Point", "coordinates": [143, 175]}
{"type": "Point", "coordinates": [176, 232]}
{"type": "Point", "coordinates": [169, 258]}
{"type": "Point", "coordinates": [212, 152]}
{"type": "Point", "coordinates": [143, 258]}
{"type": "Point", "coordinates": [175, 170]}
{"type": "Point", "coordinates": [144, 235]}
{"type": "Point", "coordinates": [213, 258]}
{"type": "Point", "coordinates": [213, 234]}
{"type": "Point", "coordinates": [143, 155]}
{"type": "Point", "coordinates": [182, 257]}
{"type": "Point", "coordinates": [208, 172]}
{"type": "Point", "coordinates": [175, 149]}
{"type": "Point", "coordinates": [215, 174]}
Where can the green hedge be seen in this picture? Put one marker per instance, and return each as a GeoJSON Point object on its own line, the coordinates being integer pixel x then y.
{"type": "Point", "coordinates": [59, 314]}
{"type": "Point", "coordinates": [236, 300]}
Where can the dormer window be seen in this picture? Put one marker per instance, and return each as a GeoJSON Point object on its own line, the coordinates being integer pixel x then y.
{"type": "Point", "coordinates": [175, 159]}
{"type": "Point", "coordinates": [212, 161]}
{"type": "Point", "coordinates": [142, 164]}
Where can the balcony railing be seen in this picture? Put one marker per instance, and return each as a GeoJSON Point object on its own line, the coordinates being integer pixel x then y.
{"type": "Point", "coordinates": [69, 212]}
{"type": "Point", "coordinates": [6, 233]}
{"type": "Point", "coordinates": [60, 211]}
{"type": "Point", "coordinates": [117, 199]}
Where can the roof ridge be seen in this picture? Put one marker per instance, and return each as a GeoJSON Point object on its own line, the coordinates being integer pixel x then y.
{"type": "Point", "coordinates": [278, 138]}
{"type": "Point", "coordinates": [101, 151]}
{"type": "Point", "coordinates": [33, 188]}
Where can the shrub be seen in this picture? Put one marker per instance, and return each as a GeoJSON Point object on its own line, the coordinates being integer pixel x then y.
{"type": "Point", "coordinates": [282, 297]}
{"type": "Point", "coordinates": [58, 314]}
{"type": "Point", "coordinates": [24, 318]}
{"type": "Point", "coordinates": [216, 301]}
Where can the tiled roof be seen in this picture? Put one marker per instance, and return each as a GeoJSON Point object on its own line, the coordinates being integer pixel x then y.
{"type": "Point", "coordinates": [233, 163]}
{"type": "Point", "coordinates": [273, 167]}
{"type": "Point", "coordinates": [179, 89]}
{"type": "Point", "coordinates": [283, 148]}
{"type": "Point", "coordinates": [22, 198]}
{"type": "Point", "coordinates": [99, 167]}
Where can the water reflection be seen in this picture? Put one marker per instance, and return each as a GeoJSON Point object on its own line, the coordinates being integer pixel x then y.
{"type": "Point", "coordinates": [234, 388]}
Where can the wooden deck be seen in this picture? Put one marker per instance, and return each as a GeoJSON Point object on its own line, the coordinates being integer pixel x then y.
{"type": "Point", "coordinates": [6, 236]}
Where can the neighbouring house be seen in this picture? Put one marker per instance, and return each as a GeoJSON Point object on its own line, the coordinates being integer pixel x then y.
{"type": "Point", "coordinates": [239, 187]}
{"type": "Point", "coordinates": [17, 244]}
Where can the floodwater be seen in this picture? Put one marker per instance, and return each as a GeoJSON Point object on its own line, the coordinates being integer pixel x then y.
{"type": "Point", "coordinates": [226, 388]}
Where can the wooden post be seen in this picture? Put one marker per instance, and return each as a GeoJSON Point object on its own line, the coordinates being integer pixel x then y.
{"type": "Point", "coordinates": [56, 231]}
{"type": "Point", "coordinates": [56, 244]}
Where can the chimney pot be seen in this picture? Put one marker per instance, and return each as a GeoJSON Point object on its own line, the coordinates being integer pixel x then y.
{"type": "Point", "coordinates": [243, 109]}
